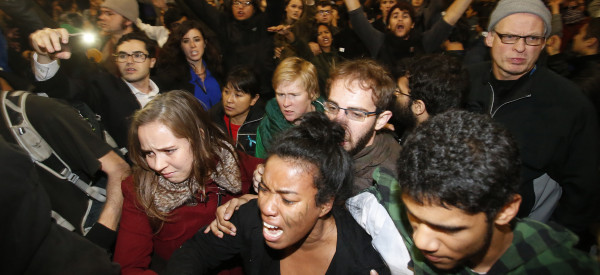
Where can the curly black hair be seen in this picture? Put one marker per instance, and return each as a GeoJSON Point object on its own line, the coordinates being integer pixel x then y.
{"type": "Point", "coordinates": [460, 159]}
{"type": "Point", "coordinates": [440, 81]}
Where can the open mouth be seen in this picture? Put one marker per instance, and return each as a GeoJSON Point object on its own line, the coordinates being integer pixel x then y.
{"type": "Point", "coordinates": [271, 232]}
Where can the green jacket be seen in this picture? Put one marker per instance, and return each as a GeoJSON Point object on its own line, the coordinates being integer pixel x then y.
{"type": "Point", "coordinates": [274, 123]}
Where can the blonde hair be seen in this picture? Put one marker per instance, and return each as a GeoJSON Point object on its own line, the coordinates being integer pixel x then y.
{"type": "Point", "coordinates": [295, 68]}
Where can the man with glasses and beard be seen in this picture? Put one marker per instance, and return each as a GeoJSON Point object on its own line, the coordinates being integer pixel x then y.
{"type": "Point", "coordinates": [358, 95]}
{"type": "Point", "coordinates": [427, 85]}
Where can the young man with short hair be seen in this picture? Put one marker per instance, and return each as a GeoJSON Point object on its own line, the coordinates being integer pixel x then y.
{"type": "Point", "coordinates": [459, 183]}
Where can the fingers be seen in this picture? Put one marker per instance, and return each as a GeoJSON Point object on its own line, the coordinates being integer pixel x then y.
{"type": "Point", "coordinates": [48, 40]}
{"type": "Point", "coordinates": [223, 214]}
{"type": "Point", "coordinates": [281, 29]}
{"type": "Point", "coordinates": [373, 272]}
{"type": "Point", "coordinates": [212, 227]}
{"type": "Point", "coordinates": [227, 228]}
{"type": "Point", "coordinates": [231, 207]}
{"type": "Point", "coordinates": [314, 47]}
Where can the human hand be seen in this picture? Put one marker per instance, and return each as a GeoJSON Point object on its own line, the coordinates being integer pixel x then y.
{"type": "Point", "coordinates": [257, 177]}
{"type": "Point", "coordinates": [221, 224]}
{"type": "Point", "coordinates": [51, 43]}
{"type": "Point", "coordinates": [284, 30]}
{"type": "Point", "coordinates": [315, 48]}
{"type": "Point", "coordinates": [277, 52]}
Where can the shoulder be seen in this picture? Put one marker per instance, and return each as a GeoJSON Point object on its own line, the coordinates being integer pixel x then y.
{"type": "Point", "coordinates": [549, 247]}
{"type": "Point", "coordinates": [247, 218]}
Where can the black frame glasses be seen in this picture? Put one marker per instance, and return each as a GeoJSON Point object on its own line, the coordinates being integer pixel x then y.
{"type": "Point", "coordinates": [351, 113]}
{"type": "Point", "coordinates": [138, 57]}
{"type": "Point", "coordinates": [398, 91]}
{"type": "Point", "coordinates": [530, 40]}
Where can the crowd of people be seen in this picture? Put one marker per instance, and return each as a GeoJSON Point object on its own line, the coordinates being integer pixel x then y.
{"type": "Point", "coordinates": [300, 136]}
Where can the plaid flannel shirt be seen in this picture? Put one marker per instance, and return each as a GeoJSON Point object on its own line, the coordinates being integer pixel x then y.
{"type": "Point", "coordinates": [536, 248]}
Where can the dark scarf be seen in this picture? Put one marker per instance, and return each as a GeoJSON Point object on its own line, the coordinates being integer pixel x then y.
{"type": "Point", "coordinates": [383, 152]}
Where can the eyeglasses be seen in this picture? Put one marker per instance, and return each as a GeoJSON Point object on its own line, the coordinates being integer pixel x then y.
{"type": "Point", "coordinates": [138, 57]}
{"type": "Point", "coordinates": [530, 40]}
{"type": "Point", "coordinates": [242, 3]}
{"type": "Point", "coordinates": [324, 12]}
{"type": "Point", "coordinates": [398, 91]}
{"type": "Point", "coordinates": [353, 114]}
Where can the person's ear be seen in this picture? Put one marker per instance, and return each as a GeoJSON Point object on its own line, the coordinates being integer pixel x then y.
{"type": "Point", "coordinates": [382, 119]}
{"type": "Point", "coordinates": [509, 211]}
{"type": "Point", "coordinates": [325, 208]}
{"type": "Point", "coordinates": [489, 39]}
{"type": "Point", "coordinates": [418, 107]}
{"type": "Point", "coordinates": [152, 62]}
{"type": "Point", "coordinates": [254, 100]}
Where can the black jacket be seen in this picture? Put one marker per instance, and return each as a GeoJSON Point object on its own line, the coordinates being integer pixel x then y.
{"type": "Point", "coordinates": [557, 134]}
{"type": "Point", "coordinates": [354, 253]}
{"type": "Point", "coordinates": [246, 135]}
{"type": "Point", "coordinates": [584, 71]}
{"type": "Point", "coordinates": [244, 42]}
{"type": "Point", "coordinates": [107, 95]}
{"type": "Point", "coordinates": [32, 243]}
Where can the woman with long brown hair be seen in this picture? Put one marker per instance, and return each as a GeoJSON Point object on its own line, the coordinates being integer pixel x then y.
{"type": "Point", "coordinates": [183, 168]}
{"type": "Point", "coordinates": [191, 62]}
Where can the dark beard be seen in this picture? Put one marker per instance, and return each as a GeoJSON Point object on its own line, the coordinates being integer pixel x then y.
{"type": "Point", "coordinates": [477, 256]}
{"type": "Point", "coordinates": [362, 141]}
{"type": "Point", "coordinates": [403, 118]}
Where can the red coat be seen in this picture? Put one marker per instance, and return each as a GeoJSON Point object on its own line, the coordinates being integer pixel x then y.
{"type": "Point", "coordinates": [136, 241]}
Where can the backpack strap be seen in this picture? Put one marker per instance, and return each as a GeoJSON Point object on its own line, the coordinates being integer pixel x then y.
{"type": "Point", "coordinates": [14, 113]}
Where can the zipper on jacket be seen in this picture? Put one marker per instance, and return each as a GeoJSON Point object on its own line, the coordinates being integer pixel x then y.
{"type": "Point", "coordinates": [492, 114]}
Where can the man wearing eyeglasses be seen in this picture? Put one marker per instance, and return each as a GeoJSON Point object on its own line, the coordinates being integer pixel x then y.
{"type": "Point", "coordinates": [553, 123]}
{"type": "Point", "coordinates": [358, 97]}
{"type": "Point", "coordinates": [114, 99]}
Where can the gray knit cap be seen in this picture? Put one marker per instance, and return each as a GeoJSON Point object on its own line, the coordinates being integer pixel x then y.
{"type": "Point", "coordinates": [126, 8]}
{"type": "Point", "coordinates": [508, 7]}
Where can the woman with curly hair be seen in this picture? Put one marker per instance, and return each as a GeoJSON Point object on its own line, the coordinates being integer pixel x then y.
{"type": "Point", "coordinates": [190, 62]}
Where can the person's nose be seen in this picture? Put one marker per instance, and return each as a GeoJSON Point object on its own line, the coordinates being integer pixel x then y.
{"type": "Point", "coordinates": [286, 101]}
{"type": "Point", "coordinates": [425, 238]}
{"type": "Point", "coordinates": [520, 45]}
{"type": "Point", "coordinates": [268, 205]}
{"type": "Point", "coordinates": [157, 163]}
{"type": "Point", "coordinates": [229, 98]}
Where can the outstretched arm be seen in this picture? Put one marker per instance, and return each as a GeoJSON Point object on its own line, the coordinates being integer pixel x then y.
{"type": "Point", "coordinates": [455, 11]}
{"type": "Point", "coordinates": [371, 37]}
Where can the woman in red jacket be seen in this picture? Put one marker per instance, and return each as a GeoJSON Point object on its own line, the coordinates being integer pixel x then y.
{"type": "Point", "coordinates": [183, 168]}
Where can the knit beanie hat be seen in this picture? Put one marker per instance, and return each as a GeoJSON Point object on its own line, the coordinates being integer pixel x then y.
{"type": "Point", "coordinates": [126, 8]}
{"type": "Point", "coordinates": [508, 7]}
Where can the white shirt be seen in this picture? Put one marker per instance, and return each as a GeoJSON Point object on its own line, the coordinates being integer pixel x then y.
{"type": "Point", "coordinates": [143, 98]}
{"type": "Point", "coordinates": [376, 221]}
{"type": "Point", "coordinates": [44, 72]}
